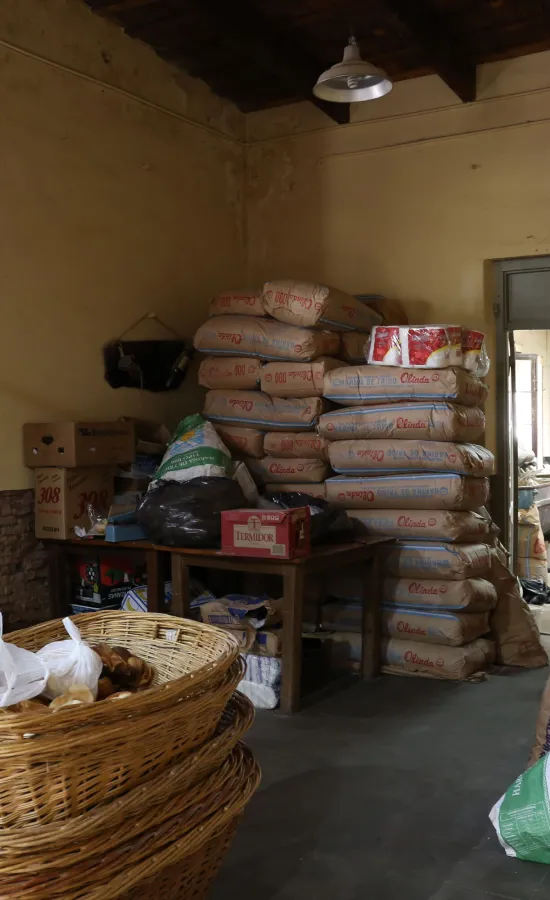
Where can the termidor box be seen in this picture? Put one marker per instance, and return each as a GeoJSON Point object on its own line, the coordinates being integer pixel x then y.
{"type": "Point", "coordinates": [71, 444]}
{"type": "Point", "coordinates": [62, 497]}
{"type": "Point", "coordinates": [255, 532]}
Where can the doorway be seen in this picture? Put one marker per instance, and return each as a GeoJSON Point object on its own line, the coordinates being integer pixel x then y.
{"type": "Point", "coordinates": [522, 365]}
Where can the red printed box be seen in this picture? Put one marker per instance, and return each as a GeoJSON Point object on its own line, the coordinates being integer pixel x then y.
{"type": "Point", "coordinates": [281, 533]}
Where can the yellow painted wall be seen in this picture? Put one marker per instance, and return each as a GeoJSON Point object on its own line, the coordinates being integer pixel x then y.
{"type": "Point", "coordinates": [109, 207]}
{"type": "Point", "coordinates": [413, 197]}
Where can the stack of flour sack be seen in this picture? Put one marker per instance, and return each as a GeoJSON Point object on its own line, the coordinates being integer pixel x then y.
{"type": "Point", "coordinates": [267, 354]}
{"type": "Point", "coordinates": [407, 449]}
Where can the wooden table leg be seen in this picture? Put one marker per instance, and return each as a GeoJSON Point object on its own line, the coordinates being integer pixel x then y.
{"type": "Point", "coordinates": [181, 597]}
{"type": "Point", "coordinates": [293, 602]}
{"type": "Point", "coordinates": [155, 581]}
{"type": "Point", "coordinates": [371, 594]}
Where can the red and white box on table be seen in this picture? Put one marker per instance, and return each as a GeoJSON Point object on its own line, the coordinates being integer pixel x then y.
{"type": "Point", "coordinates": [282, 534]}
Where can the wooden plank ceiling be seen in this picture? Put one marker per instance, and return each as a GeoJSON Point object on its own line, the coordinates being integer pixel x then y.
{"type": "Point", "coordinates": [263, 53]}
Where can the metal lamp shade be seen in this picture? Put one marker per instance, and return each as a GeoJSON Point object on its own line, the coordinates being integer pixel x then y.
{"type": "Point", "coordinates": [352, 80]}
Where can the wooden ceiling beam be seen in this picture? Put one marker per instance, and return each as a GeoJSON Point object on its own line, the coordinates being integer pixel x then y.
{"type": "Point", "coordinates": [274, 53]}
{"type": "Point", "coordinates": [445, 53]}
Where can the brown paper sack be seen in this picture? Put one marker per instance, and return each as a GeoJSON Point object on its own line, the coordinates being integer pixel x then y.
{"type": "Point", "coordinates": [428, 627]}
{"type": "Point", "coordinates": [296, 379]}
{"type": "Point", "coordinates": [302, 445]}
{"type": "Point", "coordinates": [472, 594]}
{"type": "Point", "coordinates": [454, 663]}
{"type": "Point", "coordinates": [259, 410]}
{"type": "Point", "coordinates": [249, 336]}
{"type": "Point", "coordinates": [230, 372]}
{"type": "Point", "coordinates": [305, 304]}
{"type": "Point", "coordinates": [364, 457]}
{"type": "Point", "coordinates": [367, 385]}
{"type": "Point", "coordinates": [403, 421]}
{"type": "Point", "coordinates": [426, 491]}
{"type": "Point", "coordinates": [432, 525]}
{"type": "Point", "coordinates": [426, 559]}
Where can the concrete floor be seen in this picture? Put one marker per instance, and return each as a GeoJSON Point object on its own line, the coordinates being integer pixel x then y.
{"type": "Point", "coordinates": [383, 791]}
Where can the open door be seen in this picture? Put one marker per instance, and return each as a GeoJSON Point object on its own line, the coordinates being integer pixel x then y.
{"type": "Point", "coordinates": [512, 455]}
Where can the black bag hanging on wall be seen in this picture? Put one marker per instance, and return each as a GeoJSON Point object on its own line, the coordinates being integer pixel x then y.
{"type": "Point", "coordinates": [150, 365]}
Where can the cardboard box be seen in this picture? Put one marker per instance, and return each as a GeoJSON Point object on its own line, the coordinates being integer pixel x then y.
{"type": "Point", "coordinates": [105, 581]}
{"type": "Point", "coordinates": [62, 497]}
{"type": "Point", "coordinates": [71, 444]}
{"type": "Point", "coordinates": [281, 533]}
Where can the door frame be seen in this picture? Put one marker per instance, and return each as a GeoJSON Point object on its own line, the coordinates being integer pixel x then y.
{"type": "Point", "coordinates": [502, 499]}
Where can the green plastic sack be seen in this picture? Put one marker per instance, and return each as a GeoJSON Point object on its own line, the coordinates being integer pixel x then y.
{"type": "Point", "coordinates": [522, 816]}
{"type": "Point", "coordinates": [195, 451]}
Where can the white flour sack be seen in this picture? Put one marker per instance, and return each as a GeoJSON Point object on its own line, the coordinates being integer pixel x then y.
{"type": "Point", "coordinates": [249, 336]}
{"type": "Point", "coordinates": [296, 379]}
{"type": "Point", "coordinates": [231, 372]}
{"type": "Point", "coordinates": [272, 470]}
{"type": "Point", "coordinates": [430, 525]}
{"type": "Point", "coordinates": [454, 663]}
{"type": "Point", "coordinates": [454, 562]}
{"type": "Point", "coordinates": [355, 345]}
{"type": "Point", "coordinates": [423, 491]}
{"type": "Point", "coordinates": [472, 594]}
{"type": "Point", "coordinates": [401, 421]}
{"type": "Point", "coordinates": [305, 304]}
{"type": "Point", "coordinates": [431, 627]}
{"type": "Point", "coordinates": [313, 489]}
{"type": "Point", "coordinates": [364, 457]}
{"type": "Point", "coordinates": [259, 410]}
{"type": "Point", "coordinates": [290, 445]}
{"type": "Point", "coordinates": [367, 385]}
{"type": "Point", "coordinates": [242, 441]}
{"type": "Point", "coordinates": [474, 352]}
{"type": "Point", "coordinates": [195, 450]}
{"type": "Point", "coordinates": [243, 303]}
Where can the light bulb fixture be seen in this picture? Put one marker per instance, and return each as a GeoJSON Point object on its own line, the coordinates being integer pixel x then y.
{"type": "Point", "coordinates": [353, 79]}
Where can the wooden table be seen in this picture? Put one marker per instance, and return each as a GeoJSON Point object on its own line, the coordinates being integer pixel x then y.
{"type": "Point", "coordinates": [329, 558]}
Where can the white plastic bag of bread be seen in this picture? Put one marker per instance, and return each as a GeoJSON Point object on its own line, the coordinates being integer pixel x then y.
{"type": "Point", "coordinates": [250, 336]}
{"type": "Point", "coordinates": [452, 629]}
{"type": "Point", "coordinates": [454, 663]}
{"type": "Point", "coordinates": [259, 410]}
{"type": "Point", "coordinates": [242, 441]}
{"type": "Point", "coordinates": [402, 421]}
{"type": "Point", "coordinates": [305, 304]}
{"type": "Point", "coordinates": [425, 524]}
{"type": "Point", "coordinates": [472, 594]}
{"type": "Point", "coordinates": [377, 457]}
{"type": "Point", "coordinates": [290, 445]}
{"type": "Point", "coordinates": [296, 379]}
{"type": "Point", "coordinates": [427, 491]}
{"type": "Point", "coordinates": [271, 469]}
{"type": "Point", "coordinates": [241, 303]}
{"type": "Point", "coordinates": [230, 373]}
{"type": "Point", "coordinates": [314, 489]}
{"type": "Point", "coordinates": [428, 559]}
{"type": "Point", "coordinates": [368, 385]}
{"type": "Point", "coordinates": [355, 346]}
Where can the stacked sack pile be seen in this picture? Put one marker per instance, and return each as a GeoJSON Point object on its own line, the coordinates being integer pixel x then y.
{"type": "Point", "coordinates": [267, 353]}
{"type": "Point", "coordinates": [405, 447]}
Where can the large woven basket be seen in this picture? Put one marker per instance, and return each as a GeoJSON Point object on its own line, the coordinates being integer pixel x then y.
{"type": "Point", "coordinates": [42, 847]}
{"type": "Point", "coordinates": [56, 766]}
{"type": "Point", "coordinates": [174, 833]}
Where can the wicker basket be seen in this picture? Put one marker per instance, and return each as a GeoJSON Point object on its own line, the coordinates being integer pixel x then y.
{"type": "Point", "coordinates": [58, 766]}
{"type": "Point", "coordinates": [174, 833]}
{"type": "Point", "coordinates": [64, 843]}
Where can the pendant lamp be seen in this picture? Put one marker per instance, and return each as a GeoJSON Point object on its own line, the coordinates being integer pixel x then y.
{"type": "Point", "coordinates": [353, 79]}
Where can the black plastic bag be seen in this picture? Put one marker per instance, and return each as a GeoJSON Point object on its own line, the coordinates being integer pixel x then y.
{"type": "Point", "coordinates": [328, 522]}
{"type": "Point", "coordinates": [187, 513]}
{"type": "Point", "coordinates": [535, 591]}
